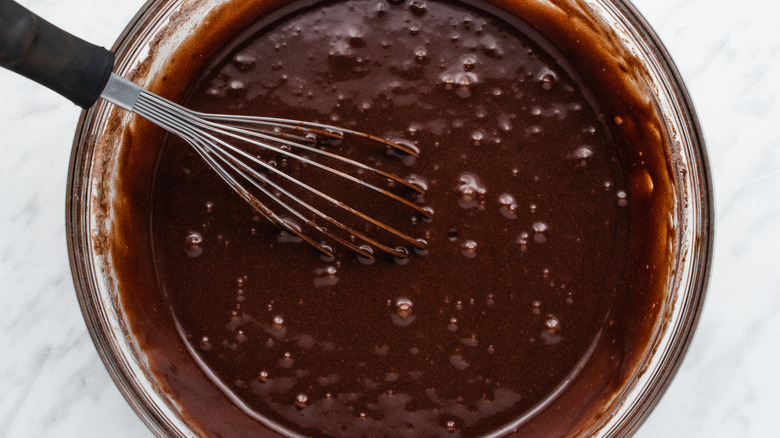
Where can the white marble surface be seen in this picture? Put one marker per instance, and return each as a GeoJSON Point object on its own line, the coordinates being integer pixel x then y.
{"type": "Point", "coordinates": [52, 383]}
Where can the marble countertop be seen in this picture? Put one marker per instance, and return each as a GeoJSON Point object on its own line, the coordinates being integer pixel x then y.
{"type": "Point", "coordinates": [53, 384]}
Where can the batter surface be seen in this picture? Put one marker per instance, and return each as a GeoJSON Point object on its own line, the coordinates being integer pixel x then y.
{"type": "Point", "coordinates": [527, 248]}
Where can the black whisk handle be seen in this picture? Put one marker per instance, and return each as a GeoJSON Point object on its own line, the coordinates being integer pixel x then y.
{"type": "Point", "coordinates": [38, 50]}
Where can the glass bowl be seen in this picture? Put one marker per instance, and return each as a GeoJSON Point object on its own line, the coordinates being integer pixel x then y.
{"type": "Point", "coordinates": [158, 34]}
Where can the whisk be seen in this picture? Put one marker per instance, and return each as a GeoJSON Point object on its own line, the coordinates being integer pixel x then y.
{"type": "Point", "coordinates": [229, 144]}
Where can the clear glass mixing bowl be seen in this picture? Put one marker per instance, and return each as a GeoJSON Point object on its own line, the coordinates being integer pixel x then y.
{"type": "Point", "coordinates": [156, 34]}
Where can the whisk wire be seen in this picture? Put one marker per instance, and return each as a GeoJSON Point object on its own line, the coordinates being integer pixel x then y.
{"type": "Point", "coordinates": [253, 176]}
{"type": "Point", "coordinates": [256, 175]}
{"type": "Point", "coordinates": [233, 133]}
{"type": "Point", "coordinates": [201, 131]}
{"type": "Point", "coordinates": [195, 137]}
{"type": "Point", "coordinates": [240, 133]}
{"type": "Point", "coordinates": [317, 128]}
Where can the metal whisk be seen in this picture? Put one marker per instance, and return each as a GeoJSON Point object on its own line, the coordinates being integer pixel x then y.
{"type": "Point", "coordinates": [81, 72]}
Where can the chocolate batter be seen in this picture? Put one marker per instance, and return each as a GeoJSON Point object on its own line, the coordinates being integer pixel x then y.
{"type": "Point", "coordinates": [528, 249]}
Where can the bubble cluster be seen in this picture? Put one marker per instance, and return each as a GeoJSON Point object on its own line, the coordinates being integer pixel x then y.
{"type": "Point", "coordinates": [508, 206]}
{"type": "Point", "coordinates": [540, 230]}
{"type": "Point", "coordinates": [582, 152]}
{"type": "Point", "coordinates": [469, 249]}
{"type": "Point", "coordinates": [622, 198]}
{"type": "Point", "coordinates": [471, 191]}
{"type": "Point", "coordinates": [523, 240]}
{"type": "Point", "coordinates": [236, 85]}
{"type": "Point", "coordinates": [420, 54]}
{"type": "Point", "coordinates": [461, 76]}
{"type": "Point", "coordinates": [452, 234]}
{"type": "Point", "coordinates": [536, 307]}
{"type": "Point", "coordinates": [453, 325]}
{"type": "Point", "coordinates": [477, 137]}
{"type": "Point", "coordinates": [286, 361]}
{"type": "Point", "coordinates": [403, 307]}
{"type": "Point", "coordinates": [194, 244]}
{"type": "Point", "coordinates": [551, 334]}
{"type": "Point", "coordinates": [301, 400]}
{"type": "Point", "coordinates": [244, 62]}
{"type": "Point", "coordinates": [547, 82]}
{"type": "Point", "coordinates": [459, 81]}
{"type": "Point", "coordinates": [326, 276]}
{"type": "Point", "coordinates": [403, 315]}
{"type": "Point", "coordinates": [417, 7]}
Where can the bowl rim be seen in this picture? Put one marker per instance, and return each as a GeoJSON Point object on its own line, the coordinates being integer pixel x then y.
{"type": "Point", "coordinates": [166, 421]}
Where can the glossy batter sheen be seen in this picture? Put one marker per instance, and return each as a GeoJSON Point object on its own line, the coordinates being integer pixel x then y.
{"type": "Point", "coordinates": [526, 250]}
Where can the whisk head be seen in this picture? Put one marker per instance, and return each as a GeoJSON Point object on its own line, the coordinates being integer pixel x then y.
{"type": "Point", "coordinates": [284, 170]}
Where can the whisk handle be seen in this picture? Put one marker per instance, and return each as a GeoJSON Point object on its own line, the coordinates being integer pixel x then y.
{"type": "Point", "coordinates": [38, 50]}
